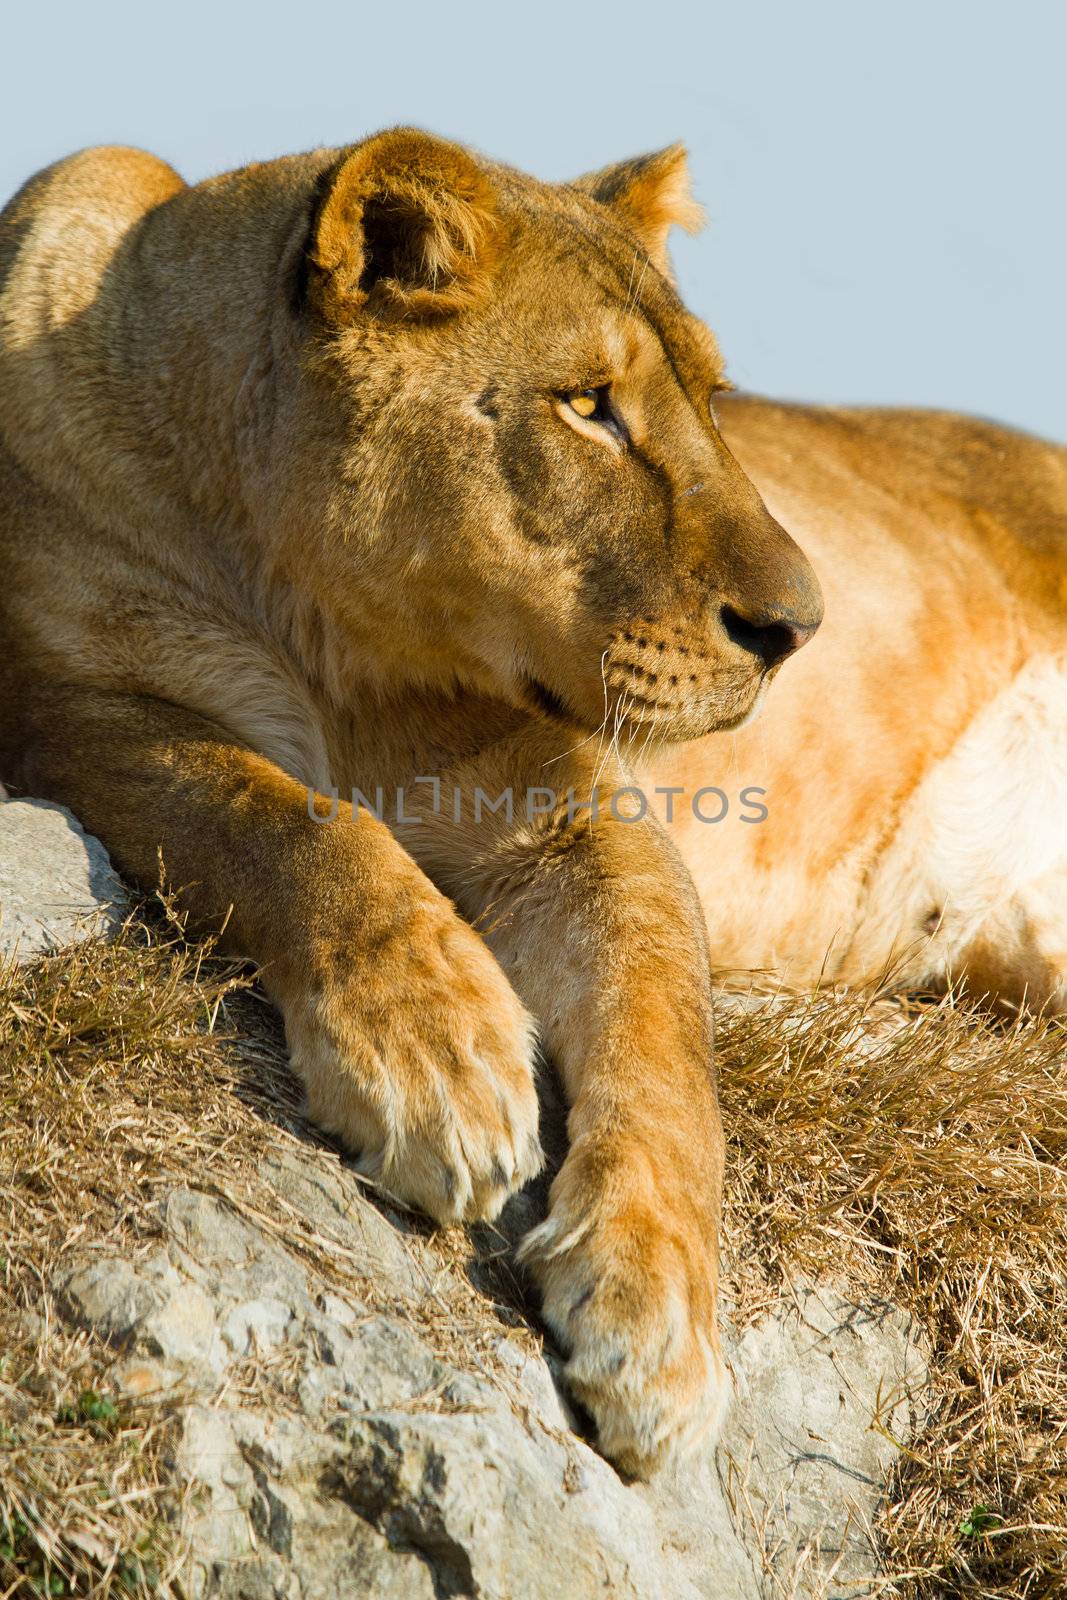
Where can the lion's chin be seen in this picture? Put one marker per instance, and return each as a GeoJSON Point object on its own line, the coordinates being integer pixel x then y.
{"type": "Point", "coordinates": [747, 713]}
{"type": "Point", "coordinates": [737, 704]}
{"type": "Point", "coordinates": [636, 717]}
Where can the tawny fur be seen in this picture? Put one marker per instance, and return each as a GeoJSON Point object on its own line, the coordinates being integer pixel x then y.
{"type": "Point", "coordinates": [292, 494]}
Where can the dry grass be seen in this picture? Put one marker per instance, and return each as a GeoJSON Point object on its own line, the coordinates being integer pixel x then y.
{"type": "Point", "coordinates": [128, 1069]}
{"type": "Point", "coordinates": [104, 1054]}
{"type": "Point", "coordinates": [918, 1151]}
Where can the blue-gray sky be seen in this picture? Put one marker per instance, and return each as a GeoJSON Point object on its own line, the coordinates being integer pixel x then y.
{"type": "Point", "coordinates": [885, 185]}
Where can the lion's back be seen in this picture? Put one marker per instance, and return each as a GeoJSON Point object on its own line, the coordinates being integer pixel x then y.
{"type": "Point", "coordinates": [1007, 487]}
{"type": "Point", "coordinates": [1016, 479]}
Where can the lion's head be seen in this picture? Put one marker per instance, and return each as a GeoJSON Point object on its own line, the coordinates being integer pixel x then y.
{"type": "Point", "coordinates": [527, 488]}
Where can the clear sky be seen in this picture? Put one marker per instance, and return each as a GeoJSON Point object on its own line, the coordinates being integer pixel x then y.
{"type": "Point", "coordinates": [886, 184]}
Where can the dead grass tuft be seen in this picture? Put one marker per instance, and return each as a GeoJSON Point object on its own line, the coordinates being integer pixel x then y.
{"type": "Point", "coordinates": [105, 1051]}
{"type": "Point", "coordinates": [917, 1151]}
{"type": "Point", "coordinates": [128, 1069]}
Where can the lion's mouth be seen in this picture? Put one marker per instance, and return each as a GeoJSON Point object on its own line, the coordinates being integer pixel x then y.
{"type": "Point", "coordinates": [669, 719]}
{"type": "Point", "coordinates": [718, 707]}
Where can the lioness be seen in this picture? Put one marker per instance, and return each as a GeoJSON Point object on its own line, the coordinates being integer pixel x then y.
{"type": "Point", "coordinates": [393, 469]}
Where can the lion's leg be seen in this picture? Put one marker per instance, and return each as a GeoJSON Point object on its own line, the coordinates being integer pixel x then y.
{"type": "Point", "coordinates": [1018, 957]}
{"type": "Point", "coordinates": [411, 1043]}
{"type": "Point", "coordinates": [599, 929]}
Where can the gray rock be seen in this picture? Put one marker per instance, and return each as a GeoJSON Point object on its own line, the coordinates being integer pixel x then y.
{"type": "Point", "coordinates": [337, 1435]}
{"type": "Point", "coordinates": [386, 1464]}
{"type": "Point", "coordinates": [476, 1495]}
{"type": "Point", "coordinates": [110, 1296]}
{"type": "Point", "coordinates": [219, 1490]}
{"type": "Point", "coordinates": [821, 1394]}
{"type": "Point", "coordinates": [56, 882]}
{"type": "Point", "coordinates": [256, 1325]}
{"type": "Point", "coordinates": [334, 1200]}
{"type": "Point", "coordinates": [182, 1330]}
{"type": "Point", "coordinates": [209, 1231]}
{"type": "Point", "coordinates": [786, 1504]}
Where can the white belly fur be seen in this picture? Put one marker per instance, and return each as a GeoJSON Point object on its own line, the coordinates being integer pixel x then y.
{"type": "Point", "coordinates": [987, 828]}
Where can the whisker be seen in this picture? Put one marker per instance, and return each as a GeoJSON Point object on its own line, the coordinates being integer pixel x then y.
{"type": "Point", "coordinates": [649, 737]}
{"type": "Point", "coordinates": [629, 286]}
{"type": "Point", "coordinates": [641, 279]}
{"type": "Point", "coordinates": [572, 748]}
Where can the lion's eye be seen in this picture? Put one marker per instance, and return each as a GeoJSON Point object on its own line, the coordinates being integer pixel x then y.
{"type": "Point", "coordinates": [587, 402]}
{"type": "Point", "coordinates": [595, 405]}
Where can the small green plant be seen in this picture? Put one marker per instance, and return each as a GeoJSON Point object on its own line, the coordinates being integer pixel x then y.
{"type": "Point", "coordinates": [136, 1573]}
{"type": "Point", "coordinates": [980, 1520]}
{"type": "Point", "coordinates": [90, 1407]}
{"type": "Point", "coordinates": [12, 1534]}
{"type": "Point", "coordinates": [19, 1550]}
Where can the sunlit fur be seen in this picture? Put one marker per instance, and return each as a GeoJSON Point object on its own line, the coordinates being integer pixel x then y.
{"type": "Point", "coordinates": [291, 494]}
{"type": "Point", "coordinates": [915, 755]}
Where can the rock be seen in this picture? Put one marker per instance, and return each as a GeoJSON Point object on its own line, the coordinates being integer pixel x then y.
{"type": "Point", "coordinates": [208, 1231]}
{"type": "Point", "coordinates": [256, 1325]}
{"type": "Point", "coordinates": [332, 1200]}
{"type": "Point", "coordinates": [475, 1495]}
{"type": "Point", "coordinates": [182, 1330]}
{"type": "Point", "coordinates": [820, 1390]}
{"type": "Point", "coordinates": [56, 882]}
{"type": "Point", "coordinates": [110, 1296]}
{"type": "Point", "coordinates": [357, 1410]}
{"type": "Point", "coordinates": [388, 1461]}
{"type": "Point", "coordinates": [220, 1485]}
{"type": "Point", "coordinates": [820, 1394]}
{"type": "Point", "coordinates": [139, 1377]}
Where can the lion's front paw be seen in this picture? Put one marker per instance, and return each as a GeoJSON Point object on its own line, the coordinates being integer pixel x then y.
{"type": "Point", "coordinates": [628, 1285]}
{"type": "Point", "coordinates": [417, 1053]}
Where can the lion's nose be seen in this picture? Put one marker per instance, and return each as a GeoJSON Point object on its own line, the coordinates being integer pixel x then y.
{"type": "Point", "coordinates": [770, 635]}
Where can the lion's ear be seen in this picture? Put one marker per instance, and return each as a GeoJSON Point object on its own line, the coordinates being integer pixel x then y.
{"type": "Point", "coordinates": [404, 225]}
{"type": "Point", "coordinates": [651, 194]}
